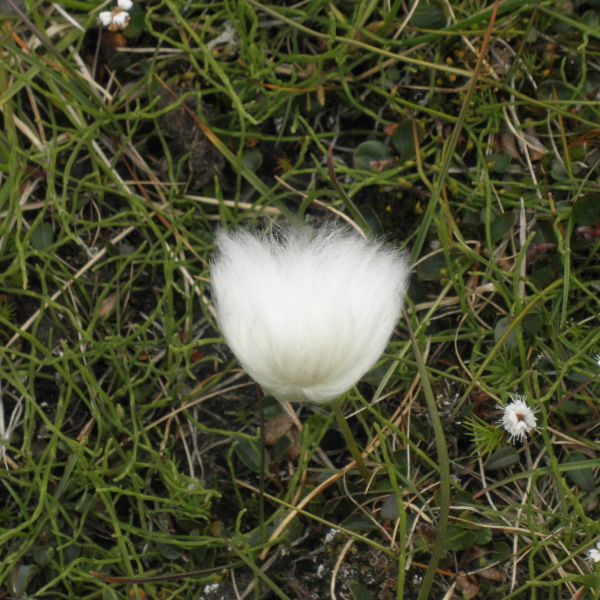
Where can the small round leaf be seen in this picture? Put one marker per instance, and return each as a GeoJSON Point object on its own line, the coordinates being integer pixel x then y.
{"type": "Point", "coordinates": [42, 236]}
{"type": "Point", "coordinates": [369, 154]}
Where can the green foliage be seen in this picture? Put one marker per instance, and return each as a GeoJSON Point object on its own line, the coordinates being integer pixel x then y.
{"type": "Point", "coordinates": [487, 437]}
{"type": "Point", "coordinates": [128, 434]}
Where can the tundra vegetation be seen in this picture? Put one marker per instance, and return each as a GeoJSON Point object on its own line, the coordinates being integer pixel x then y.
{"type": "Point", "coordinates": [463, 133]}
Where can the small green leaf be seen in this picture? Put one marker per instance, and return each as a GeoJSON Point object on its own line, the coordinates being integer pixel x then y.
{"type": "Point", "coordinates": [71, 553]}
{"type": "Point", "coordinates": [558, 171]}
{"type": "Point", "coordinates": [272, 408]}
{"type": "Point", "coordinates": [368, 154]}
{"type": "Point", "coordinates": [576, 377]}
{"type": "Point", "coordinates": [575, 407]}
{"type": "Point", "coordinates": [586, 210]}
{"type": "Point", "coordinates": [403, 140]}
{"type": "Point", "coordinates": [282, 445]}
{"type": "Point", "coordinates": [458, 538]}
{"type": "Point", "coordinates": [482, 536]}
{"type": "Point", "coordinates": [428, 15]}
{"type": "Point", "coordinates": [501, 551]}
{"type": "Point", "coordinates": [21, 579]}
{"type": "Point", "coordinates": [359, 592]}
{"type": "Point", "coordinates": [389, 508]}
{"type": "Point", "coordinates": [499, 163]}
{"type": "Point", "coordinates": [501, 326]}
{"type": "Point", "coordinates": [42, 555]}
{"type": "Point", "coordinates": [533, 322]}
{"type": "Point", "coordinates": [42, 236]}
{"type": "Point", "coordinates": [252, 159]}
{"type": "Point", "coordinates": [432, 268]}
{"type": "Point", "coordinates": [500, 224]}
{"type": "Point", "coordinates": [168, 551]}
{"type": "Point", "coordinates": [543, 276]}
{"type": "Point", "coordinates": [359, 524]}
{"type": "Point", "coordinates": [583, 478]}
{"type": "Point", "coordinates": [137, 22]}
{"type": "Point", "coordinates": [554, 89]}
{"type": "Point", "coordinates": [502, 458]}
{"type": "Point", "coordinates": [249, 453]}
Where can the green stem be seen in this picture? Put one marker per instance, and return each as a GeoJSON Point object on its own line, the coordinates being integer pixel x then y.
{"type": "Point", "coordinates": [444, 469]}
{"type": "Point", "coordinates": [356, 455]}
{"type": "Point", "coordinates": [263, 450]}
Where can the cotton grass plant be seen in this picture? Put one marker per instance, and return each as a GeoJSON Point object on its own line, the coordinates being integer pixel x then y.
{"type": "Point", "coordinates": [119, 461]}
{"type": "Point", "coordinates": [308, 312]}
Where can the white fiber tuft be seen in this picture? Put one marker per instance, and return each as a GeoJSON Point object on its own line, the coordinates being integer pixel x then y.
{"type": "Point", "coordinates": [307, 312]}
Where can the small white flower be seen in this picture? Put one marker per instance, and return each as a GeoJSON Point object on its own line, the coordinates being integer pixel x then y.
{"type": "Point", "coordinates": [106, 17]}
{"type": "Point", "coordinates": [307, 313]}
{"type": "Point", "coordinates": [121, 20]}
{"type": "Point", "coordinates": [597, 359]}
{"type": "Point", "coordinates": [330, 536]}
{"type": "Point", "coordinates": [118, 18]}
{"type": "Point", "coordinates": [594, 553]}
{"type": "Point", "coordinates": [211, 587]}
{"type": "Point", "coordinates": [517, 418]}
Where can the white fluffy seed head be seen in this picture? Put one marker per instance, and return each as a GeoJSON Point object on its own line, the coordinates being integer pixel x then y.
{"type": "Point", "coordinates": [307, 312]}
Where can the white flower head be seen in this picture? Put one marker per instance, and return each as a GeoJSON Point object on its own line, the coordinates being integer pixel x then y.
{"type": "Point", "coordinates": [597, 359]}
{"type": "Point", "coordinates": [106, 17]}
{"type": "Point", "coordinates": [209, 588]}
{"type": "Point", "coordinates": [594, 553]}
{"type": "Point", "coordinates": [118, 18]}
{"type": "Point", "coordinates": [307, 312]}
{"type": "Point", "coordinates": [517, 418]}
{"type": "Point", "coordinates": [121, 20]}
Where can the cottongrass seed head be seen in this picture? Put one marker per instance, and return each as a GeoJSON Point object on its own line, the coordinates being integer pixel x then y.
{"type": "Point", "coordinates": [517, 418]}
{"type": "Point", "coordinates": [307, 312]}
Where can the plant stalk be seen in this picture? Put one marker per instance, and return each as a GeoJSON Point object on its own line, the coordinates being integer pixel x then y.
{"type": "Point", "coordinates": [356, 455]}
{"type": "Point", "coordinates": [263, 450]}
{"type": "Point", "coordinates": [444, 469]}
